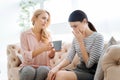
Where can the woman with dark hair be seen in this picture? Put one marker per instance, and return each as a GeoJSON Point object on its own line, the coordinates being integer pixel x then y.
{"type": "Point", "coordinates": [87, 44]}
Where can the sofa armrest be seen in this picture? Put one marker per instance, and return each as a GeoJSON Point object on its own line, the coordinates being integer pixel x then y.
{"type": "Point", "coordinates": [13, 61]}
{"type": "Point", "coordinates": [12, 58]}
{"type": "Point", "coordinates": [111, 63]}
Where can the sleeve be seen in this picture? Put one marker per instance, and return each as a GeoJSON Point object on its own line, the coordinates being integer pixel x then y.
{"type": "Point", "coordinates": [95, 51]}
{"type": "Point", "coordinates": [71, 52]}
{"type": "Point", "coordinates": [26, 53]}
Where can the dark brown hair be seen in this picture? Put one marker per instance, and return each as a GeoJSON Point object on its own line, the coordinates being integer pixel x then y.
{"type": "Point", "coordinates": [79, 15]}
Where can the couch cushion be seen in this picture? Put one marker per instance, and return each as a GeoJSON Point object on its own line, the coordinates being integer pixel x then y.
{"type": "Point", "coordinates": [99, 75]}
{"type": "Point", "coordinates": [13, 73]}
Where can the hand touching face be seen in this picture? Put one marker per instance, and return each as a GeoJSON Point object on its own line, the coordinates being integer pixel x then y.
{"type": "Point", "coordinates": [78, 29]}
{"type": "Point", "coordinates": [77, 33]}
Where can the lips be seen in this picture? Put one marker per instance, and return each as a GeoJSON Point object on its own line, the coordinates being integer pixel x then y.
{"type": "Point", "coordinates": [43, 24]}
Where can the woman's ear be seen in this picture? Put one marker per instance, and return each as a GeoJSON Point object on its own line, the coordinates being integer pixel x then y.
{"type": "Point", "coordinates": [84, 20]}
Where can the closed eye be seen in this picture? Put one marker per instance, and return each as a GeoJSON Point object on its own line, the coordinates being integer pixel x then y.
{"type": "Point", "coordinates": [74, 26]}
{"type": "Point", "coordinates": [45, 18]}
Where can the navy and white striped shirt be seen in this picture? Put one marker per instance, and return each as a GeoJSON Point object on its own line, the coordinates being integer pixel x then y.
{"type": "Point", "coordinates": [94, 46]}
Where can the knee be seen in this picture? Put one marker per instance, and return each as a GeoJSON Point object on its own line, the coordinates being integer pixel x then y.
{"type": "Point", "coordinates": [27, 71]}
{"type": "Point", "coordinates": [43, 70]}
{"type": "Point", "coordinates": [60, 75]}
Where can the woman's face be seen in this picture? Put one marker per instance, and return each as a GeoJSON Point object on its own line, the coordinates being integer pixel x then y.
{"type": "Point", "coordinates": [42, 20]}
{"type": "Point", "coordinates": [77, 25]}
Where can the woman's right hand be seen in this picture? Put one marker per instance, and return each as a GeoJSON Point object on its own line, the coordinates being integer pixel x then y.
{"type": "Point", "coordinates": [44, 47]}
{"type": "Point", "coordinates": [52, 73]}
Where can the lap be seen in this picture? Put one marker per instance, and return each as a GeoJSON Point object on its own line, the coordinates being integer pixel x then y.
{"type": "Point", "coordinates": [31, 73]}
{"type": "Point", "coordinates": [28, 69]}
{"type": "Point", "coordinates": [42, 70]}
{"type": "Point", "coordinates": [83, 75]}
{"type": "Point", "coordinates": [66, 75]}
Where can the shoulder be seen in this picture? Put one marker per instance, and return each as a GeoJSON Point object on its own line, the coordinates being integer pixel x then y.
{"type": "Point", "coordinates": [29, 31]}
{"type": "Point", "coordinates": [99, 39]}
{"type": "Point", "coordinates": [98, 35]}
{"type": "Point", "coordinates": [74, 40]}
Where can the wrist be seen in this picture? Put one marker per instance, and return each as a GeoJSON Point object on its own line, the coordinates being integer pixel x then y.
{"type": "Point", "coordinates": [58, 67]}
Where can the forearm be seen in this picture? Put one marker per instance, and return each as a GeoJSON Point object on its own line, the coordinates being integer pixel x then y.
{"type": "Point", "coordinates": [84, 52]}
{"type": "Point", "coordinates": [37, 52]}
{"type": "Point", "coordinates": [63, 64]}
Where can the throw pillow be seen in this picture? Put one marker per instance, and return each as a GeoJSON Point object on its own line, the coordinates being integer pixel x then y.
{"type": "Point", "coordinates": [99, 75]}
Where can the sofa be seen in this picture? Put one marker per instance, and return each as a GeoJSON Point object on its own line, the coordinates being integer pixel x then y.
{"type": "Point", "coordinates": [14, 61]}
{"type": "Point", "coordinates": [109, 62]}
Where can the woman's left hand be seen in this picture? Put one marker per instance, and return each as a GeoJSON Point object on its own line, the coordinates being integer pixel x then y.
{"type": "Point", "coordinates": [52, 73]}
{"type": "Point", "coordinates": [78, 34]}
{"type": "Point", "coordinates": [51, 53]}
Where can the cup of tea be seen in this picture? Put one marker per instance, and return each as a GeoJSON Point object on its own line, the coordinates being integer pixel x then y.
{"type": "Point", "coordinates": [57, 45]}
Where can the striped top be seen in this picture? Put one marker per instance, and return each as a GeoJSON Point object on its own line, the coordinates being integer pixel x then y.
{"type": "Point", "coordinates": [94, 45]}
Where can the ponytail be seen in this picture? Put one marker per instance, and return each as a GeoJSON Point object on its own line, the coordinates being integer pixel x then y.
{"type": "Point", "coordinates": [91, 26]}
{"type": "Point", "coordinates": [79, 15]}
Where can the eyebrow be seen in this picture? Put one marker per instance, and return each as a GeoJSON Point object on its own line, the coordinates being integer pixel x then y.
{"type": "Point", "coordinates": [74, 26]}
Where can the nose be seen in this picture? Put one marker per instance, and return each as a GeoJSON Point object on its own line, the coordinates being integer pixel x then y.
{"type": "Point", "coordinates": [74, 28]}
{"type": "Point", "coordinates": [45, 21]}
